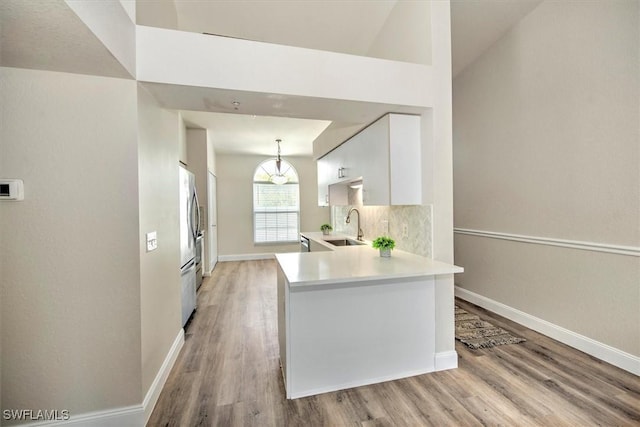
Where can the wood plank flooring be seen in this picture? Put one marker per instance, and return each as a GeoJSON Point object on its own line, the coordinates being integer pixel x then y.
{"type": "Point", "coordinates": [227, 374]}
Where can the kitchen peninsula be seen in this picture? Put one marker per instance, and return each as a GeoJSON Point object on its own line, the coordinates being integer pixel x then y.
{"type": "Point", "coordinates": [348, 317]}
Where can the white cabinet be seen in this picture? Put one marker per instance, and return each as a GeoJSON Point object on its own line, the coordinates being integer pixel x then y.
{"type": "Point", "coordinates": [317, 247]}
{"type": "Point", "coordinates": [323, 181]}
{"type": "Point", "coordinates": [349, 161]}
{"type": "Point", "coordinates": [394, 168]}
{"type": "Point", "coordinates": [343, 164]}
{"type": "Point", "coordinates": [339, 166]}
{"type": "Point", "coordinates": [386, 156]}
{"type": "Point", "coordinates": [332, 336]}
{"type": "Point", "coordinates": [373, 145]}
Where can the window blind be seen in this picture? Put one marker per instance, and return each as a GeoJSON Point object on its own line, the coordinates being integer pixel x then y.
{"type": "Point", "coordinates": [276, 212]}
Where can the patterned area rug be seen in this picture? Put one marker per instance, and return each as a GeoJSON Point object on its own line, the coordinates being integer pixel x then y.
{"type": "Point", "coordinates": [476, 333]}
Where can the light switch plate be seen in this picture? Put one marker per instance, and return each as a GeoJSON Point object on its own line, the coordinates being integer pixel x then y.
{"type": "Point", "coordinates": [11, 189]}
{"type": "Point", "coordinates": [152, 241]}
{"type": "Point", "coordinates": [385, 227]}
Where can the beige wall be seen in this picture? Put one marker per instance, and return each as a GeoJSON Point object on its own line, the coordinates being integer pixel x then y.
{"type": "Point", "coordinates": [590, 293]}
{"type": "Point", "coordinates": [406, 35]}
{"type": "Point", "coordinates": [158, 134]}
{"type": "Point", "coordinates": [161, 13]}
{"type": "Point", "coordinates": [546, 143]}
{"type": "Point", "coordinates": [70, 260]}
{"type": "Point", "coordinates": [235, 203]}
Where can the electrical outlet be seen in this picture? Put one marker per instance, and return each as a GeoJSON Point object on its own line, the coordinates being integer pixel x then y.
{"type": "Point", "coordinates": [152, 241]}
{"type": "Point", "coordinates": [405, 230]}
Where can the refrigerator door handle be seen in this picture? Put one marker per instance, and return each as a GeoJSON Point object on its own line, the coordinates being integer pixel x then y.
{"type": "Point", "coordinates": [185, 268]}
{"type": "Point", "coordinates": [195, 196]}
{"type": "Point", "coordinates": [195, 217]}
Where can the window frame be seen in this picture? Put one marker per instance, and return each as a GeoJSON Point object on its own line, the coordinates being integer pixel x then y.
{"type": "Point", "coordinates": [264, 168]}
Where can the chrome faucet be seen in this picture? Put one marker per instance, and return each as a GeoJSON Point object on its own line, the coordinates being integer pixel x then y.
{"type": "Point", "coordinates": [348, 221]}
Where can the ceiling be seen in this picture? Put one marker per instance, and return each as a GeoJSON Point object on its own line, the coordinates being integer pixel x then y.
{"type": "Point", "coordinates": [46, 34]}
{"type": "Point", "coordinates": [258, 133]}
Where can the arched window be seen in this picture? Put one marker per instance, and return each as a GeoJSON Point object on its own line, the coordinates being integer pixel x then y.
{"type": "Point", "coordinates": [276, 203]}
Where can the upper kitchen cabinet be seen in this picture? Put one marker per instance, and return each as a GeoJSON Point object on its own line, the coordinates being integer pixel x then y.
{"type": "Point", "coordinates": [342, 165]}
{"type": "Point", "coordinates": [323, 166]}
{"type": "Point", "coordinates": [385, 156]}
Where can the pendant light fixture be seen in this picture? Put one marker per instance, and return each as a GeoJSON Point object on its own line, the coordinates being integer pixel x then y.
{"type": "Point", "coordinates": [278, 177]}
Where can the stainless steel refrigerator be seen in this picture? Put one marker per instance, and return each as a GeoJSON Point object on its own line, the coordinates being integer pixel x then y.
{"type": "Point", "coordinates": [189, 230]}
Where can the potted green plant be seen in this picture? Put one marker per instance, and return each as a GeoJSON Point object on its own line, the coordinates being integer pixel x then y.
{"type": "Point", "coordinates": [384, 244]}
{"type": "Point", "coordinates": [326, 228]}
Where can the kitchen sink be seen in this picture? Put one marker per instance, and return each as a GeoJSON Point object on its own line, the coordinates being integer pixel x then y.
{"type": "Point", "coordinates": [345, 242]}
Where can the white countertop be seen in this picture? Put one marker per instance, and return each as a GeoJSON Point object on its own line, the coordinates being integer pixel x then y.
{"type": "Point", "coordinates": [345, 264]}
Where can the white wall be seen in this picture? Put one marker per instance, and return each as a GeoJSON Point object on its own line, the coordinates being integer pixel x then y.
{"type": "Point", "coordinates": [547, 144]}
{"type": "Point", "coordinates": [211, 153]}
{"type": "Point", "coordinates": [182, 142]}
{"type": "Point", "coordinates": [235, 203]}
{"type": "Point", "coordinates": [70, 259]}
{"type": "Point", "coordinates": [190, 59]}
{"type": "Point", "coordinates": [158, 135]}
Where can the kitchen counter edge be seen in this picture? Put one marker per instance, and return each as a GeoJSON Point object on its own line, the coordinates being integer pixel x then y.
{"type": "Point", "coordinates": [355, 264]}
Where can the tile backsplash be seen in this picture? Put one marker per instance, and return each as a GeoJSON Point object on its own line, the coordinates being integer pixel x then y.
{"type": "Point", "coordinates": [389, 221]}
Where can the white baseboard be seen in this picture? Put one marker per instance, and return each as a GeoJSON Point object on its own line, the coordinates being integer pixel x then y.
{"type": "Point", "coordinates": [136, 415]}
{"type": "Point", "coordinates": [604, 352]}
{"type": "Point", "coordinates": [446, 360]}
{"type": "Point", "coordinates": [153, 393]}
{"type": "Point", "coordinates": [359, 383]}
{"type": "Point", "coordinates": [244, 257]}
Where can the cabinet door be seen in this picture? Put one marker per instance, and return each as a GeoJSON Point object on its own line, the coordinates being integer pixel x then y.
{"type": "Point", "coordinates": [374, 153]}
{"type": "Point", "coordinates": [339, 163]}
{"type": "Point", "coordinates": [353, 158]}
{"type": "Point", "coordinates": [322, 166]}
{"type": "Point", "coordinates": [332, 164]}
{"type": "Point", "coordinates": [405, 174]}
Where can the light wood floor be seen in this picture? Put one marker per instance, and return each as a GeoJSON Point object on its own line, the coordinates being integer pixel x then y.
{"type": "Point", "coordinates": [228, 375]}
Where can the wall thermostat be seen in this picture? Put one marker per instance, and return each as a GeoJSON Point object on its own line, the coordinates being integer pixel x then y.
{"type": "Point", "coordinates": [11, 189]}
